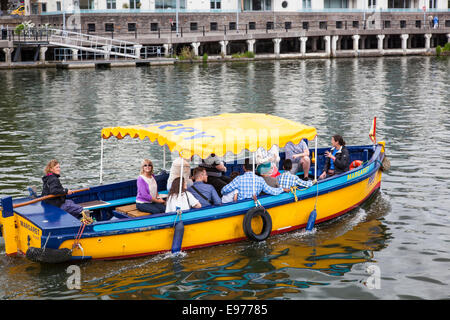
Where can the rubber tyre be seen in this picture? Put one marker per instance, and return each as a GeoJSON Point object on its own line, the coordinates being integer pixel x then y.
{"type": "Point", "coordinates": [267, 224]}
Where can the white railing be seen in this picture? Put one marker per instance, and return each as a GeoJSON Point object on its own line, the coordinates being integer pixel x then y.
{"type": "Point", "coordinates": [86, 42]}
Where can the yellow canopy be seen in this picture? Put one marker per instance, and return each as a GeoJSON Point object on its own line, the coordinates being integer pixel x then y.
{"type": "Point", "coordinates": [229, 132]}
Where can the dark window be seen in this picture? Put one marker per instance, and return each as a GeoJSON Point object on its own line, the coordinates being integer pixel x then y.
{"type": "Point", "coordinates": [194, 26]}
{"type": "Point", "coordinates": [322, 25]}
{"type": "Point", "coordinates": [387, 24]}
{"type": "Point", "coordinates": [338, 24]}
{"type": "Point", "coordinates": [355, 24]}
{"type": "Point", "coordinates": [284, 4]}
{"type": "Point", "coordinates": [132, 26]}
{"type": "Point", "coordinates": [447, 22]}
{"type": "Point", "coordinates": [213, 26]}
{"type": "Point", "coordinates": [418, 23]}
{"type": "Point", "coordinates": [269, 25]}
{"type": "Point", "coordinates": [91, 27]}
{"type": "Point", "coordinates": [288, 25]}
{"type": "Point", "coordinates": [109, 27]}
{"type": "Point", "coordinates": [173, 26]}
{"type": "Point", "coordinates": [305, 25]}
{"type": "Point", "coordinates": [252, 25]}
{"type": "Point", "coordinates": [154, 26]}
{"type": "Point", "coordinates": [402, 24]}
{"type": "Point", "coordinates": [232, 26]}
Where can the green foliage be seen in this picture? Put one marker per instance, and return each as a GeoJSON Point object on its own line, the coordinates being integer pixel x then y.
{"type": "Point", "coordinates": [447, 47]}
{"type": "Point", "coordinates": [205, 57]}
{"type": "Point", "coordinates": [246, 54]}
{"type": "Point", "coordinates": [438, 50]}
{"type": "Point", "coordinates": [186, 54]}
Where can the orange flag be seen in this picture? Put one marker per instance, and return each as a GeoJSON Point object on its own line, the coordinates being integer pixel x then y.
{"type": "Point", "coordinates": [372, 133]}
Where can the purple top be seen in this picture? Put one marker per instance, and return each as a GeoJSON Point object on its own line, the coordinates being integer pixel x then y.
{"type": "Point", "coordinates": [143, 191]}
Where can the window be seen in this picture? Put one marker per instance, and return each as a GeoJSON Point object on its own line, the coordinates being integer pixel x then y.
{"type": "Point", "coordinates": [371, 4]}
{"type": "Point", "coordinates": [269, 25]}
{"type": "Point", "coordinates": [284, 4]}
{"type": "Point", "coordinates": [173, 26]}
{"type": "Point", "coordinates": [418, 24]}
{"type": "Point", "coordinates": [402, 24]}
{"type": "Point", "coordinates": [109, 27]}
{"type": "Point", "coordinates": [58, 5]}
{"type": "Point", "coordinates": [338, 24]}
{"type": "Point", "coordinates": [194, 26]}
{"type": "Point", "coordinates": [131, 26]}
{"type": "Point", "coordinates": [323, 25]}
{"type": "Point", "coordinates": [387, 24]}
{"type": "Point", "coordinates": [432, 4]}
{"type": "Point", "coordinates": [110, 4]}
{"type": "Point", "coordinates": [213, 26]}
{"type": "Point", "coordinates": [447, 22]}
{"type": "Point", "coordinates": [355, 24]}
{"type": "Point", "coordinates": [257, 5]}
{"type": "Point", "coordinates": [44, 7]}
{"type": "Point", "coordinates": [400, 3]}
{"type": "Point", "coordinates": [169, 4]}
{"type": "Point", "coordinates": [288, 25]}
{"type": "Point", "coordinates": [215, 4]}
{"type": "Point", "coordinates": [335, 4]}
{"type": "Point", "coordinates": [252, 25]}
{"type": "Point", "coordinates": [91, 27]}
{"type": "Point", "coordinates": [305, 25]}
{"type": "Point", "coordinates": [135, 4]}
{"type": "Point", "coordinates": [154, 26]}
{"type": "Point", "coordinates": [232, 26]}
{"type": "Point", "coordinates": [306, 4]}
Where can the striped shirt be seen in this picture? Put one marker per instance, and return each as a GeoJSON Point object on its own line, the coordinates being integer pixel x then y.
{"type": "Point", "coordinates": [287, 180]}
{"type": "Point", "coordinates": [244, 185]}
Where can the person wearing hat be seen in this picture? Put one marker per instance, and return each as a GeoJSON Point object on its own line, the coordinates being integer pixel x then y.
{"type": "Point", "coordinates": [265, 170]}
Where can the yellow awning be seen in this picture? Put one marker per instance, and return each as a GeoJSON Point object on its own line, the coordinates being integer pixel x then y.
{"type": "Point", "coordinates": [225, 133]}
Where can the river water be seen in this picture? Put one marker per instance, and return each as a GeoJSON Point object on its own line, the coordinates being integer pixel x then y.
{"type": "Point", "coordinates": [402, 234]}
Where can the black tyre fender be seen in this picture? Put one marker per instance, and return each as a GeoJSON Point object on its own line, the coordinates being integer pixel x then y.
{"type": "Point", "coordinates": [267, 224]}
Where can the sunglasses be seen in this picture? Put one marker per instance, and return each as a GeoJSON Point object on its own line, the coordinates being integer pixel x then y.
{"type": "Point", "coordinates": [147, 165]}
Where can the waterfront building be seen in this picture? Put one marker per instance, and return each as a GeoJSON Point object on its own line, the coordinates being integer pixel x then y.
{"type": "Point", "coordinates": [92, 6]}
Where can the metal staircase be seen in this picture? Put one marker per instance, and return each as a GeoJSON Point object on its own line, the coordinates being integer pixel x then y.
{"type": "Point", "coordinates": [96, 44]}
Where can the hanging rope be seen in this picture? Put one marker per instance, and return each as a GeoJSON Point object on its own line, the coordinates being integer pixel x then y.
{"type": "Point", "coordinates": [85, 220]}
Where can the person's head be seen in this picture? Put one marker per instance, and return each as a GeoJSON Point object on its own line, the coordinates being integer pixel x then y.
{"type": "Point", "coordinates": [287, 164]}
{"type": "Point", "coordinates": [53, 166]}
{"type": "Point", "coordinates": [265, 169]}
{"type": "Point", "coordinates": [234, 174]}
{"type": "Point", "coordinates": [175, 188]}
{"type": "Point", "coordinates": [337, 141]}
{"type": "Point", "coordinates": [247, 165]}
{"type": "Point", "coordinates": [200, 174]}
{"type": "Point", "coordinates": [146, 167]}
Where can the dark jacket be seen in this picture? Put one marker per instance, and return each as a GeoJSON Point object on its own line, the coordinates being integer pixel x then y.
{"type": "Point", "coordinates": [52, 185]}
{"type": "Point", "coordinates": [341, 163]}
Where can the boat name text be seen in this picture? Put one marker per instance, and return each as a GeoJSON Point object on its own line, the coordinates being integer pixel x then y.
{"type": "Point", "coordinates": [357, 173]}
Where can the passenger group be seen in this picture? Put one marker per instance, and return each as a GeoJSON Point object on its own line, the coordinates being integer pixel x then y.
{"type": "Point", "coordinates": [209, 185]}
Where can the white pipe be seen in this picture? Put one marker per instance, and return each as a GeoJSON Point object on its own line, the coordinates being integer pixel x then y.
{"type": "Point", "coordinates": [253, 164]}
{"type": "Point", "coordinates": [101, 162]}
{"type": "Point", "coordinates": [316, 158]}
{"type": "Point", "coordinates": [164, 158]}
{"type": "Point", "coordinates": [181, 177]}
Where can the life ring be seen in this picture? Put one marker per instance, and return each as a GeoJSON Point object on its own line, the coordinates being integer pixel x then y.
{"type": "Point", "coordinates": [355, 164]}
{"type": "Point", "coordinates": [267, 224]}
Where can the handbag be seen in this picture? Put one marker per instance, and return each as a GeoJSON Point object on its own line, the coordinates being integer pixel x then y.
{"type": "Point", "coordinates": [201, 195]}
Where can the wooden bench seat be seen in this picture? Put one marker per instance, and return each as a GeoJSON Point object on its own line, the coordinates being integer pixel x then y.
{"type": "Point", "coordinates": [131, 211]}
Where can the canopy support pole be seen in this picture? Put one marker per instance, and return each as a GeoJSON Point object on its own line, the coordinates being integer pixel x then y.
{"type": "Point", "coordinates": [164, 158]}
{"type": "Point", "coordinates": [316, 158]}
{"type": "Point", "coordinates": [181, 178]}
{"type": "Point", "coordinates": [253, 164]}
{"type": "Point", "coordinates": [101, 161]}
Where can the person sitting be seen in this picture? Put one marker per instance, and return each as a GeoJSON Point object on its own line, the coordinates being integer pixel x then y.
{"type": "Point", "coordinates": [299, 155]}
{"type": "Point", "coordinates": [52, 186]}
{"type": "Point", "coordinates": [185, 201]}
{"type": "Point", "coordinates": [205, 193]}
{"type": "Point", "coordinates": [337, 161]}
{"type": "Point", "coordinates": [272, 156]}
{"type": "Point", "coordinates": [231, 196]}
{"type": "Point", "coordinates": [175, 172]}
{"type": "Point", "coordinates": [147, 198]}
{"type": "Point", "coordinates": [288, 180]}
{"type": "Point", "coordinates": [250, 184]}
{"type": "Point", "coordinates": [265, 170]}
{"type": "Point", "coordinates": [215, 169]}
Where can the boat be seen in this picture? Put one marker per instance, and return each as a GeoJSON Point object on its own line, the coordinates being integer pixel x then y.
{"type": "Point", "coordinates": [44, 233]}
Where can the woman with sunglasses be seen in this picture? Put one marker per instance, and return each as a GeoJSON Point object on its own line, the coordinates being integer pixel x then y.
{"type": "Point", "coordinates": [147, 198]}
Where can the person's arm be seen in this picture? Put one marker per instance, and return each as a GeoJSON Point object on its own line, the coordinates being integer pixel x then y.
{"type": "Point", "coordinates": [302, 183]}
{"type": "Point", "coordinates": [193, 200]}
{"type": "Point", "coordinates": [343, 162]}
{"type": "Point", "coordinates": [233, 185]}
{"type": "Point", "coordinates": [270, 190]}
{"type": "Point", "coordinates": [55, 186]}
{"type": "Point", "coordinates": [215, 197]}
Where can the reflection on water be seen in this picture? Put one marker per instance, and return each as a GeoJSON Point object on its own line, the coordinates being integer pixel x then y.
{"type": "Point", "coordinates": [403, 230]}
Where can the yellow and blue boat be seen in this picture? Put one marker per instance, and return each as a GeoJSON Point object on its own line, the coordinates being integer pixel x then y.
{"type": "Point", "coordinates": [44, 233]}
